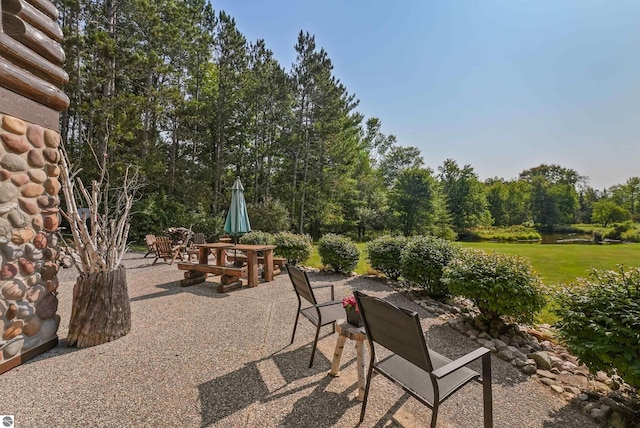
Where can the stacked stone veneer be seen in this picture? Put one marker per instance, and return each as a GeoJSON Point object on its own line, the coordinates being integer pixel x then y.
{"type": "Point", "coordinates": [29, 186]}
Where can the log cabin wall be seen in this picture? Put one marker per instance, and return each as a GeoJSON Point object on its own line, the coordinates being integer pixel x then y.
{"type": "Point", "coordinates": [31, 98]}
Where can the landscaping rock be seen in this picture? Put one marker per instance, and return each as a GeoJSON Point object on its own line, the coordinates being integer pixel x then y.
{"type": "Point", "coordinates": [542, 360]}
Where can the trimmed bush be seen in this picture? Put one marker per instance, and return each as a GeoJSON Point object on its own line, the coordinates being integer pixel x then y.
{"type": "Point", "coordinates": [600, 321]}
{"type": "Point", "coordinates": [384, 254]}
{"type": "Point", "coordinates": [422, 261]}
{"type": "Point", "coordinates": [339, 253]}
{"type": "Point", "coordinates": [295, 248]}
{"type": "Point", "coordinates": [499, 284]}
{"type": "Point", "coordinates": [256, 237]}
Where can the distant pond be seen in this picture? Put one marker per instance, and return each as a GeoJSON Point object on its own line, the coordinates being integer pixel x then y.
{"type": "Point", "coordinates": [573, 238]}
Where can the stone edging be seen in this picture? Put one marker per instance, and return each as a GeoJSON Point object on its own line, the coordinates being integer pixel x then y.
{"type": "Point", "coordinates": [534, 352]}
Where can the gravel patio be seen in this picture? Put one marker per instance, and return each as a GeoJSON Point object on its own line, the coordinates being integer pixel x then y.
{"type": "Point", "coordinates": [198, 358]}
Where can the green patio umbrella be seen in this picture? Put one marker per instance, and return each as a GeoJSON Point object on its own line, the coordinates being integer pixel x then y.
{"type": "Point", "coordinates": [237, 223]}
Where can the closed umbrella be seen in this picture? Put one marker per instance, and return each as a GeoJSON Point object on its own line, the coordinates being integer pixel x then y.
{"type": "Point", "coordinates": [237, 223]}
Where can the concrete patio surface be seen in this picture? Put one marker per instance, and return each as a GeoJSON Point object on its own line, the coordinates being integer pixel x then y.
{"type": "Point", "coordinates": [198, 358]}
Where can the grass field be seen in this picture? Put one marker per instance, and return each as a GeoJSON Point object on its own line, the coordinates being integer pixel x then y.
{"type": "Point", "coordinates": [556, 264]}
{"type": "Point", "coordinates": [563, 263]}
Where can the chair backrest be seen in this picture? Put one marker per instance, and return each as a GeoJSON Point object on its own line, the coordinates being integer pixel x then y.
{"type": "Point", "coordinates": [150, 240]}
{"type": "Point", "coordinates": [163, 246]}
{"type": "Point", "coordinates": [301, 285]}
{"type": "Point", "coordinates": [198, 238]}
{"type": "Point", "coordinates": [395, 328]}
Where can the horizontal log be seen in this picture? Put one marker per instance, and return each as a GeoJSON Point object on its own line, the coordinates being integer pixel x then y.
{"type": "Point", "coordinates": [217, 270]}
{"type": "Point", "coordinates": [46, 7]}
{"type": "Point", "coordinates": [194, 274]}
{"type": "Point", "coordinates": [25, 83]}
{"type": "Point", "coordinates": [276, 271]}
{"type": "Point", "coordinates": [33, 16]}
{"type": "Point", "coordinates": [17, 105]}
{"type": "Point", "coordinates": [277, 261]}
{"type": "Point", "coordinates": [190, 281]}
{"type": "Point", "coordinates": [24, 57]}
{"type": "Point", "coordinates": [33, 38]}
{"type": "Point", "coordinates": [224, 288]}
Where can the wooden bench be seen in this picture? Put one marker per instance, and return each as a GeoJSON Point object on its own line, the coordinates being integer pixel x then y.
{"type": "Point", "coordinates": [278, 262]}
{"type": "Point", "coordinates": [197, 272]}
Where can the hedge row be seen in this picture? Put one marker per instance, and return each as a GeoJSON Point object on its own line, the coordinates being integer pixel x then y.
{"type": "Point", "coordinates": [293, 247]}
{"type": "Point", "coordinates": [599, 318]}
{"type": "Point", "coordinates": [499, 285]}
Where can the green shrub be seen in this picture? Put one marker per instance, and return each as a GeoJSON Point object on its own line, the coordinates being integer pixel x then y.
{"type": "Point", "coordinates": [295, 248]}
{"type": "Point", "coordinates": [257, 237]}
{"type": "Point", "coordinates": [422, 261]}
{"type": "Point", "coordinates": [269, 216]}
{"type": "Point", "coordinates": [600, 321]}
{"type": "Point", "coordinates": [338, 252]}
{"type": "Point", "coordinates": [632, 235]}
{"type": "Point", "coordinates": [617, 229]}
{"type": "Point", "coordinates": [501, 234]}
{"type": "Point", "coordinates": [154, 214]}
{"type": "Point", "coordinates": [212, 226]}
{"type": "Point", "coordinates": [384, 254]}
{"type": "Point", "coordinates": [499, 284]}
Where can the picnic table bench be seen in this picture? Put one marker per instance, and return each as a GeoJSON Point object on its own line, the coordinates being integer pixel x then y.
{"type": "Point", "coordinates": [278, 262]}
{"type": "Point", "coordinates": [196, 272]}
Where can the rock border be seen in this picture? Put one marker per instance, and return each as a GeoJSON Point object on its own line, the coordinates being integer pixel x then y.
{"type": "Point", "coordinates": [537, 353]}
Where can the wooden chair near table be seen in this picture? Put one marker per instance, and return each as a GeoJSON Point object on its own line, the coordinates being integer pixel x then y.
{"type": "Point", "coordinates": [192, 251]}
{"type": "Point", "coordinates": [166, 251]}
{"type": "Point", "coordinates": [150, 241]}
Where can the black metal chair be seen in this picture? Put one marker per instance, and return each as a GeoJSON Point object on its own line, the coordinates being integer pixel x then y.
{"type": "Point", "coordinates": [426, 375]}
{"type": "Point", "coordinates": [320, 314]}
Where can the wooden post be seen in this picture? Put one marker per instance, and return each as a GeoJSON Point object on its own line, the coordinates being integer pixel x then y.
{"type": "Point", "coordinates": [252, 263]}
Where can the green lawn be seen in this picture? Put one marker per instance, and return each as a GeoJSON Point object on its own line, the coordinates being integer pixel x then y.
{"type": "Point", "coordinates": [563, 263]}
{"type": "Point", "coordinates": [362, 267]}
{"type": "Point", "coordinates": [555, 263]}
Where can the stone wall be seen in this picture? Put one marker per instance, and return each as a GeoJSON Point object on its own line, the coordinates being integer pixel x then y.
{"type": "Point", "coordinates": [29, 218]}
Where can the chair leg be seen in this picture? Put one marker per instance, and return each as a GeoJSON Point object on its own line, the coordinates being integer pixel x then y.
{"type": "Point", "coordinates": [295, 325]}
{"type": "Point", "coordinates": [487, 397]}
{"type": "Point", "coordinates": [434, 415]}
{"type": "Point", "coordinates": [366, 391]}
{"type": "Point", "coordinates": [315, 344]}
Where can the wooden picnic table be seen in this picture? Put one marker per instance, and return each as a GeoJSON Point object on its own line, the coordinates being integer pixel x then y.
{"type": "Point", "coordinates": [252, 261]}
{"type": "Point", "coordinates": [197, 272]}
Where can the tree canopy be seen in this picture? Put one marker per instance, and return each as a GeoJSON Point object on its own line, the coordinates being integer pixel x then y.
{"type": "Point", "coordinates": [174, 88]}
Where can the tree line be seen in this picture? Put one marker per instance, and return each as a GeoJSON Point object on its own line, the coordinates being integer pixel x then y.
{"type": "Point", "coordinates": [174, 88]}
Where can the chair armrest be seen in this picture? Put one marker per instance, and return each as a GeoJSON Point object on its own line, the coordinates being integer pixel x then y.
{"type": "Point", "coordinates": [315, 287]}
{"type": "Point", "coordinates": [331, 303]}
{"type": "Point", "coordinates": [451, 367]}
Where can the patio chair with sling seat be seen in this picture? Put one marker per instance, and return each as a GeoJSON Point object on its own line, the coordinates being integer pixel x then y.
{"type": "Point", "coordinates": [426, 375]}
{"type": "Point", "coordinates": [320, 314]}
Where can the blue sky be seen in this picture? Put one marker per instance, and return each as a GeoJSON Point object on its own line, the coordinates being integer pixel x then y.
{"type": "Point", "coordinates": [501, 85]}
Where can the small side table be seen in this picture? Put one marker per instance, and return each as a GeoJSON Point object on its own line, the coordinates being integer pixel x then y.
{"type": "Point", "coordinates": [357, 334]}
